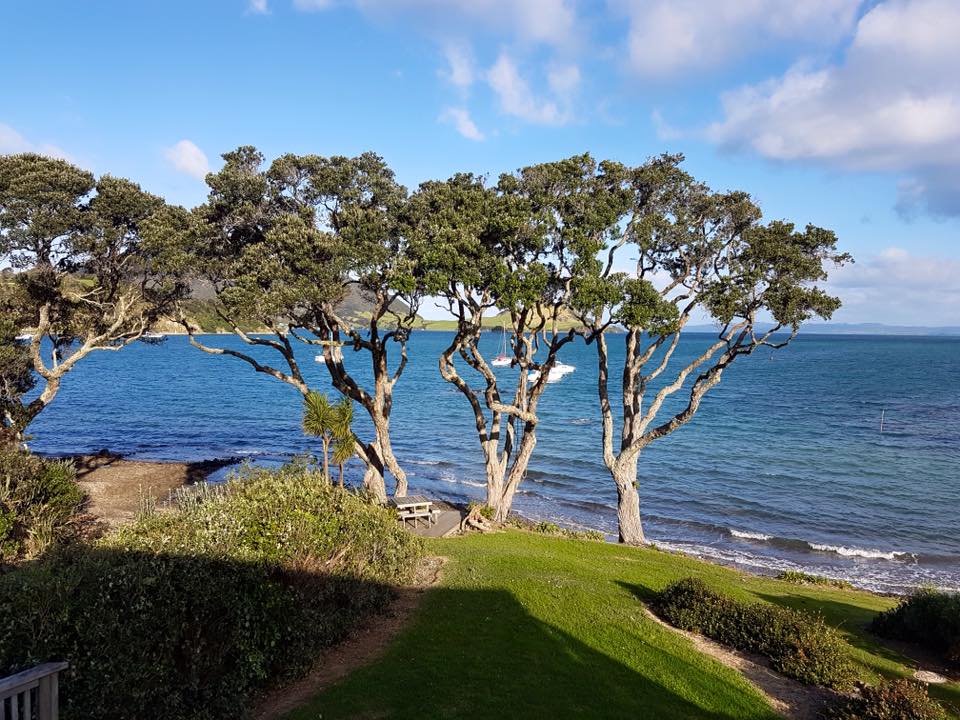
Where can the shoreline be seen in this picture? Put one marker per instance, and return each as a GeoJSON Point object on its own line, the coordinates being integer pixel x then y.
{"type": "Point", "coordinates": [118, 487]}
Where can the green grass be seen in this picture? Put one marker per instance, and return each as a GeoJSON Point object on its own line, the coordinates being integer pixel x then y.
{"type": "Point", "coordinates": [524, 625]}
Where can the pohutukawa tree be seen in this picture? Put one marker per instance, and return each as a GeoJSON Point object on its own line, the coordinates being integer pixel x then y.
{"type": "Point", "coordinates": [692, 252]}
{"type": "Point", "coordinates": [282, 247]}
{"type": "Point", "coordinates": [515, 247]}
{"type": "Point", "coordinates": [83, 275]}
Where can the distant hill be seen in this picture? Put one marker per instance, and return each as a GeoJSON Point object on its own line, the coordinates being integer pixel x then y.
{"type": "Point", "coordinates": [855, 329]}
{"type": "Point", "coordinates": [564, 323]}
{"type": "Point", "coordinates": [201, 312]}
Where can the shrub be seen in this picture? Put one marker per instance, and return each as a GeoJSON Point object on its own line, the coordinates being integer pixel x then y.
{"type": "Point", "coordinates": [37, 499]}
{"type": "Point", "coordinates": [798, 644]}
{"type": "Point", "coordinates": [184, 614]}
{"type": "Point", "coordinates": [891, 700]}
{"type": "Point", "coordinates": [927, 617]}
{"type": "Point", "coordinates": [801, 578]}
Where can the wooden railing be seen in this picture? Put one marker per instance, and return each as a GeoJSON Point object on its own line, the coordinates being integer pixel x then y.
{"type": "Point", "coordinates": [32, 694]}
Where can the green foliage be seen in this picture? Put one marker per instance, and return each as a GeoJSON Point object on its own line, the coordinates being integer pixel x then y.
{"type": "Point", "coordinates": [799, 645]}
{"type": "Point", "coordinates": [185, 614]}
{"type": "Point", "coordinates": [83, 276]}
{"type": "Point", "coordinates": [890, 700]}
{"type": "Point", "coordinates": [333, 424]}
{"type": "Point", "coordinates": [927, 617]}
{"type": "Point", "coordinates": [37, 500]}
{"type": "Point", "coordinates": [801, 578]}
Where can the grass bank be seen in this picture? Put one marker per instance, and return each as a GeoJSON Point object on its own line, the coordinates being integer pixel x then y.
{"type": "Point", "coordinates": [524, 625]}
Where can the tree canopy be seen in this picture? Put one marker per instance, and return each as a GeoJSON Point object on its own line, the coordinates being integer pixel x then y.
{"type": "Point", "coordinates": [84, 275]}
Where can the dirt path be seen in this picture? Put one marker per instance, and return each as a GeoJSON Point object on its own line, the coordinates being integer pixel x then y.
{"type": "Point", "coordinates": [363, 648]}
{"type": "Point", "coordinates": [789, 698]}
{"type": "Point", "coordinates": [116, 486]}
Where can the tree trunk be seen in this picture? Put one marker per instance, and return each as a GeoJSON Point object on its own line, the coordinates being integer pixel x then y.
{"type": "Point", "coordinates": [326, 459]}
{"type": "Point", "coordinates": [374, 484]}
{"type": "Point", "coordinates": [628, 504]}
{"type": "Point", "coordinates": [382, 427]}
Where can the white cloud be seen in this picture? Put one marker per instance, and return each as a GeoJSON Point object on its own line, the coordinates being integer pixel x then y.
{"type": "Point", "coordinates": [667, 36]}
{"type": "Point", "coordinates": [12, 142]}
{"type": "Point", "coordinates": [517, 98]}
{"type": "Point", "coordinates": [461, 120]}
{"type": "Point", "coordinates": [460, 70]}
{"type": "Point", "coordinates": [259, 7]}
{"type": "Point", "coordinates": [896, 287]}
{"type": "Point", "coordinates": [893, 104]}
{"type": "Point", "coordinates": [188, 159]}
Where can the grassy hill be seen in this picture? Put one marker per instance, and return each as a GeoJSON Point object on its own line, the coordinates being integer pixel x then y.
{"type": "Point", "coordinates": [524, 625]}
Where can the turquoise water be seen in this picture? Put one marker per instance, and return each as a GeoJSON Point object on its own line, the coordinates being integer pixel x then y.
{"type": "Point", "coordinates": [784, 466]}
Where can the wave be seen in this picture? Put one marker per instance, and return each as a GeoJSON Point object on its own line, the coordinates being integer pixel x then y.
{"type": "Point", "coordinates": [425, 462]}
{"type": "Point", "coordinates": [748, 535]}
{"type": "Point", "coordinates": [582, 421]}
{"type": "Point", "coordinates": [861, 552]}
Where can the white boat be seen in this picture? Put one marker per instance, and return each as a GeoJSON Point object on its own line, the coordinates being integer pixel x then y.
{"type": "Point", "coordinates": [502, 360]}
{"type": "Point", "coordinates": [153, 336]}
{"type": "Point", "coordinates": [556, 374]}
{"type": "Point", "coordinates": [25, 337]}
{"type": "Point", "coordinates": [319, 357]}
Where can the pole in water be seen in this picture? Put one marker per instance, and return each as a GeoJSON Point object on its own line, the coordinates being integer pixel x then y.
{"type": "Point", "coordinates": [882, 412]}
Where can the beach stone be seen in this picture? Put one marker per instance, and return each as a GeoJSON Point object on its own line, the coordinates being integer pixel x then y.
{"type": "Point", "coordinates": [929, 677]}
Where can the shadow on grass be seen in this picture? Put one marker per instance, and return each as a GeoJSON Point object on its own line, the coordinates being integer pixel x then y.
{"type": "Point", "coordinates": [479, 653]}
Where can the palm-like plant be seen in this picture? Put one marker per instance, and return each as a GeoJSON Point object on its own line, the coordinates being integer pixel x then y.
{"type": "Point", "coordinates": [332, 423]}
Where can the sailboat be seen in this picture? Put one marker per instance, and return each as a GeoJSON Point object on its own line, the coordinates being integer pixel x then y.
{"type": "Point", "coordinates": [502, 360]}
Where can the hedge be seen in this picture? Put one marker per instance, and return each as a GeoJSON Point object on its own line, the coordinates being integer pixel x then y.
{"type": "Point", "coordinates": [187, 614]}
{"type": "Point", "coordinates": [927, 617]}
{"type": "Point", "coordinates": [799, 645]}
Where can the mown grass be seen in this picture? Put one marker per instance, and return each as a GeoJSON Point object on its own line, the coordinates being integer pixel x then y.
{"type": "Point", "coordinates": [524, 625]}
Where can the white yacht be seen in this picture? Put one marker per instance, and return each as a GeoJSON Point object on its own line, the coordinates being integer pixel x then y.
{"type": "Point", "coordinates": [557, 373]}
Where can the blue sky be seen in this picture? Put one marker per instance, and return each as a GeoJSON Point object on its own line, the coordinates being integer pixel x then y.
{"type": "Point", "coordinates": [843, 113]}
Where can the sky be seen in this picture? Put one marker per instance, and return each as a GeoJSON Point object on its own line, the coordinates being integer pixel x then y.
{"type": "Point", "coordinates": [840, 113]}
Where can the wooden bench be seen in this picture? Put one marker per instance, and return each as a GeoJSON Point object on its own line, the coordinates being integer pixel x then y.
{"type": "Point", "coordinates": [415, 508]}
{"type": "Point", "coordinates": [37, 687]}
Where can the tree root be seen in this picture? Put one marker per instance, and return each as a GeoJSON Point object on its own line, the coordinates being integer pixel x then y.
{"type": "Point", "coordinates": [476, 521]}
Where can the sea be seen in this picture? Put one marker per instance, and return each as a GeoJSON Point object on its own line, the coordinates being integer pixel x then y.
{"type": "Point", "coordinates": [838, 455]}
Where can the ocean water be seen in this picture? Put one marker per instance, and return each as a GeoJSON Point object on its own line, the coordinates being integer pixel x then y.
{"type": "Point", "coordinates": [784, 467]}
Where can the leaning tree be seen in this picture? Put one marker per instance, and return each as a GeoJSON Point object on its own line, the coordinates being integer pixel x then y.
{"type": "Point", "coordinates": [281, 248]}
{"type": "Point", "coordinates": [694, 253]}
{"type": "Point", "coordinates": [515, 248]}
{"type": "Point", "coordinates": [82, 275]}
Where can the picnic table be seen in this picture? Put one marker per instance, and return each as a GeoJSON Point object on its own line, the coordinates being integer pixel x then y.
{"type": "Point", "coordinates": [414, 507]}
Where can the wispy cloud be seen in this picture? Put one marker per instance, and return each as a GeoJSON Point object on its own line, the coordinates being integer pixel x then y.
{"type": "Point", "coordinates": [461, 120]}
{"type": "Point", "coordinates": [258, 7]}
{"type": "Point", "coordinates": [12, 141]}
{"type": "Point", "coordinates": [518, 99]}
{"type": "Point", "coordinates": [459, 70]}
{"type": "Point", "coordinates": [187, 158]}
{"type": "Point", "coordinates": [898, 287]}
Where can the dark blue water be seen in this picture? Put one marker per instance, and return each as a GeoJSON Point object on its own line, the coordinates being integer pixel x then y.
{"type": "Point", "coordinates": [784, 467]}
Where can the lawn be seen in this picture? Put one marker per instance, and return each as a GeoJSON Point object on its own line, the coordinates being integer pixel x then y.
{"type": "Point", "coordinates": [524, 625]}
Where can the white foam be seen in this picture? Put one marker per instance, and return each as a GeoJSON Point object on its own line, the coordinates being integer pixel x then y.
{"type": "Point", "coordinates": [750, 535]}
{"type": "Point", "coordinates": [859, 552]}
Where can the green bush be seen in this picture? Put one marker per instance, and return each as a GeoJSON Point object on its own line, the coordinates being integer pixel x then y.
{"type": "Point", "coordinates": [927, 617]}
{"type": "Point", "coordinates": [798, 644]}
{"type": "Point", "coordinates": [185, 614]}
{"type": "Point", "coordinates": [891, 700]}
{"type": "Point", "coordinates": [37, 499]}
{"type": "Point", "coordinates": [801, 578]}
